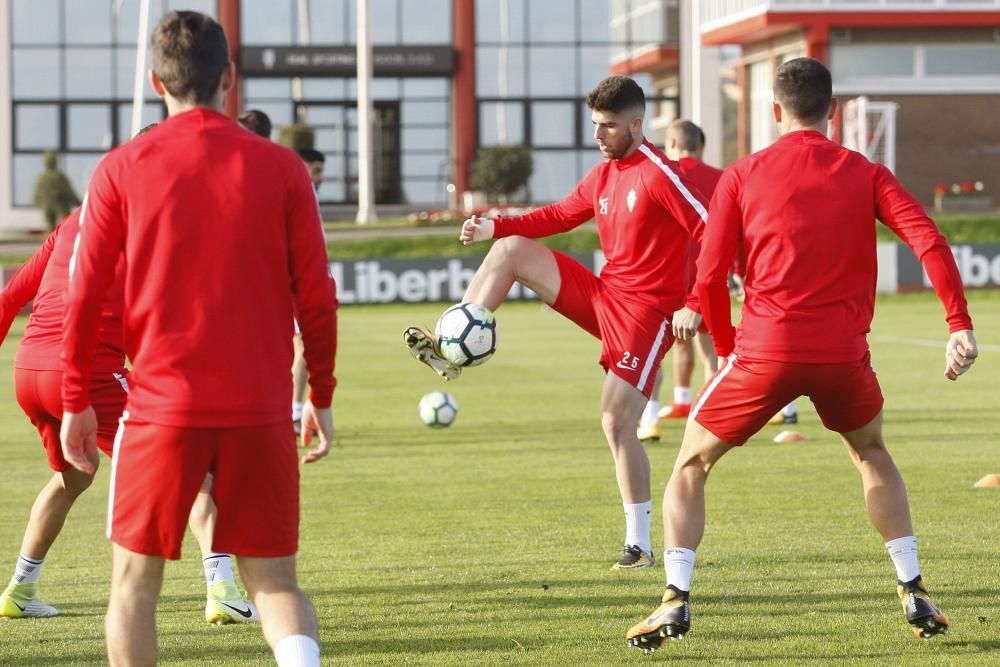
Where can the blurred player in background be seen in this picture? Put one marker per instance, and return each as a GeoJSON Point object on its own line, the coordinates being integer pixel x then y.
{"type": "Point", "coordinates": [256, 121]}
{"type": "Point", "coordinates": [684, 143]}
{"type": "Point", "coordinates": [316, 164]}
{"type": "Point", "coordinates": [646, 216]}
{"type": "Point", "coordinates": [210, 343]}
{"type": "Point", "coordinates": [805, 209]}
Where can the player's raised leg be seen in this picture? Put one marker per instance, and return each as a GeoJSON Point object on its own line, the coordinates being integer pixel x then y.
{"type": "Point", "coordinates": [48, 514]}
{"type": "Point", "coordinates": [288, 618]}
{"type": "Point", "coordinates": [889, 510]}
{"type": "Point", "coordinates": [621, 405]}
{"type": "Point", "coordinates": [683, 528]}
{"type": "Point", "coordinates": [224, 604]}
{"type": "Point", "coordinates": [130, 624]}
{"type": "Point", "coordinates": [510, 259]}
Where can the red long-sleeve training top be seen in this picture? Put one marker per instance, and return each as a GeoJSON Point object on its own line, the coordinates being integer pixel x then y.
{"type": "Point", "coordinates": [44, 278]}
{"type": "Point", "coordinates": [705, 178]}
{"type": "Point", "coordinates": [806, 208]}
{"type": "Point", "coordinates": [222, 238]}
{"type": "Point", "coordinates": [647, 212]}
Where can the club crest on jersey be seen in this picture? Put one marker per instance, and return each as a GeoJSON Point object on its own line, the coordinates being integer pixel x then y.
{"type": "Point", "coordinates": [630, 200]}
{"type": "Point", "coordinates": [603, 201]}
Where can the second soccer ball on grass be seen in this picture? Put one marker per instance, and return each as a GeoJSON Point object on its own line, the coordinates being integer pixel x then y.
{"type": "Point", "coordinates": [467, 334]}
{"type": "Point", "coordinates": [438, 409]}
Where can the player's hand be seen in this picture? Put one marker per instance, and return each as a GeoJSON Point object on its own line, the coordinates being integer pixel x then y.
{"type": "Point", "coordinates": [316, 422]}
{"type": "Point", "coordinates": [686, 323]}
{"type": "Point", "coordinates": [79, 439]}
{"type": "Point", "coordinates": [960, 353]}
{"type": "Point", "coordinates": [476, 229]}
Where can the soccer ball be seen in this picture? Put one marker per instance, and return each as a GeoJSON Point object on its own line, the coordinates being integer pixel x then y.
{"type": "Point", "coordinates": [467, 334]}
{"type": "Point", "coordinates": [438, 409]}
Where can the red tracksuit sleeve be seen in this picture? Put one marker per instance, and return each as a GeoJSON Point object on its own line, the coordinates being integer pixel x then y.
{"type": "Point", "coordinates": [313, 288]}
{"type": "Point", "coordinates": [718, 248]}
{"type": "Point", "coordinates": [904, 215]}
{"type": "Point", "coordinates": [23, 286]}
{"type": "Point", "coordinates": [562, 216]}
{"type": "Point", "coordinates": [690, 208]}
{"type": "Point", "coordinates": [99, 245]}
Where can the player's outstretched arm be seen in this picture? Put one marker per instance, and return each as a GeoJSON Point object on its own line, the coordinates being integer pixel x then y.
{"type": "Point", "coordinates": [79, 439]}
{"type": "Point", "coordinates": [475, 230]}
{"type": "Point", "coordinates": [318, 422]}
{"type": "Point", "coordinates": [960, 353]}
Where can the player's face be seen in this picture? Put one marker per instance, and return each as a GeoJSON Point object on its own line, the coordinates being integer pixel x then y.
{"type": "Point", "coordinates": [613, 133]}
{"type": "Point", "coordinates": [316, 173]}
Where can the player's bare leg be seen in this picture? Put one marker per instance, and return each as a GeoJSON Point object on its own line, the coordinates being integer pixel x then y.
{"type": "Point", "coordinates": [48, 514]}
{"type": "Point", "coordinates": [130, 624]}
{"type": "Point", "coordinates": [683, 368]}
{"type": "Point", "coordinates": [224, 604]}
{"type": "Point", "coordinates": [683, 528]}
{"type": "Point", "coordinates": [300, 378]}
{"type": "Point", "coordinates": [287, 615]}
{"type": "Point", "coordinates": [621, 405]}
{"type": "Point", "coordinates": [706, 352]}
{"type": "Point", "coordinates": [889, 510]}
{"type": "Point", "coordinates": [514, 259]}
{"type": "Point", "coordinates": [649, 420]}
{"type": "Point", "coordinates": [509, 260]}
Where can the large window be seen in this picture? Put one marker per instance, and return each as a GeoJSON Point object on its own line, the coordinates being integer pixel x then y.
{"type": "Point", "coordinates": [946, 68]}
{"type": "Point", "coordinates": [535, 65]}
{"type": "Point", "coordinates": [72, 67]}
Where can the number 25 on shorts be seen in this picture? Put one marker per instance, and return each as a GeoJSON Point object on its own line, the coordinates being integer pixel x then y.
{"type": "Point", "coordinates": [629, 362]}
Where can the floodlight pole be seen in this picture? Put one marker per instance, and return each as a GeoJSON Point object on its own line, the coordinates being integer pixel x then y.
{"type": "Point", "coordinates": [305, 39]}
{"type": "Point", "coordinates": [139, 84]}
{"type": "Point", "coordinates": [366, 112]}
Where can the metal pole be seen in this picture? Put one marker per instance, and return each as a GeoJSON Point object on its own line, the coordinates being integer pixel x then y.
{"type": "Point", "coordinates": [502, 87]}
{"type": "Point", "coordinates": [366, 112]}
{"type": "Point", "coordinates": [305, 39]}
{"type": "Point", "coordinates": [141, 44]}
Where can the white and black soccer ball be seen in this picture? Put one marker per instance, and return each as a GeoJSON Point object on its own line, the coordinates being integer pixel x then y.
{"type": "Point", "coordinates": [467, 334]}
{"type": "Point", "coordinates": [438, 409]}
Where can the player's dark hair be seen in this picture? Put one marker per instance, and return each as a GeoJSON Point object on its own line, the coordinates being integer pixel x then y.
{"type": "Point", "coordinates": [311, 155]}
{"type": "Point", "coordinates": [617, 94]}
{"type": "Point", "coordinates": [804, 87]}
{"type": "Point", "coordinates": [256, 121]}
{"type": "Point", "coordinates": [690, 137]}
{"type": "Point", "coordinates": [190, 53]}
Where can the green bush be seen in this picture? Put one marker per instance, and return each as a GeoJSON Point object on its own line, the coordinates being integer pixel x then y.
{"type": "Point", "coordinates": [297, 136]}
{"type": "Point", "coordinates": [500, 171]}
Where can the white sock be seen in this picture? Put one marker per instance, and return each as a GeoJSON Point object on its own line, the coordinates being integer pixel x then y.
{"type": "Point", "coordinates": [637, 525]}
{"type": "Point", "coordinates": [679, 564]}
{"type": "Point", "coordinates": [682, 395]}
{"type": "Point", "coordinates": [789, 410]}
{"type": "Point", "coordinates": [27, 570]}
{"type": "Point", "coordinates": [650, 415]}
{"type": "Point", "coordinates": [218, 567]}
{"type": "Point", "coordinates": [296, 410]}
{"type": "Point", "coordinates": [297, 651]}
{"type": "Point", "coordinates": [903, 552]}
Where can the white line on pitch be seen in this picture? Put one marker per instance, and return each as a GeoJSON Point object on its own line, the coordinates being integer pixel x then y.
{"type": "Point", "coordinates": [927, 342]}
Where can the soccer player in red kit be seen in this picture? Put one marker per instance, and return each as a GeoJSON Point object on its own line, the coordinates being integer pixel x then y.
{"type": "Point", "coordinates": [685, 143]}
{"type": "Point", "coordinates": [805, 208]}
{"type": "Point", "coordinates": [222, 240]}
{"type": "Point", "coordinates": [646, 216]}
{"type": "Point", "coordinates": [38, 384]}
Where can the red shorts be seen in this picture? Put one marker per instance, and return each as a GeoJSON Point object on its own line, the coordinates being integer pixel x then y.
{"type": "Point", "coordinates": [157, 472]}
{"type": "Point", "coordinates": [634, 336]}
{"type": "Point", "coordinates": [745, 393]}
{"type": "Point", "coordinates": [39, 394]}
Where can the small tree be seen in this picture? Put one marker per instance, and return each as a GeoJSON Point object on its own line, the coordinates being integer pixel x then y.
{"type": "Point", "coordinates": [297, 136]}
{"type": "Point", "coordinates": [500, 171]}
{"type": "Point", "coordinates": [53, 192]}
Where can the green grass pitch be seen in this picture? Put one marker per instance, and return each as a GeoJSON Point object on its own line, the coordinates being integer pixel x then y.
{"type": "Point", "coordinates": [489, 543]}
